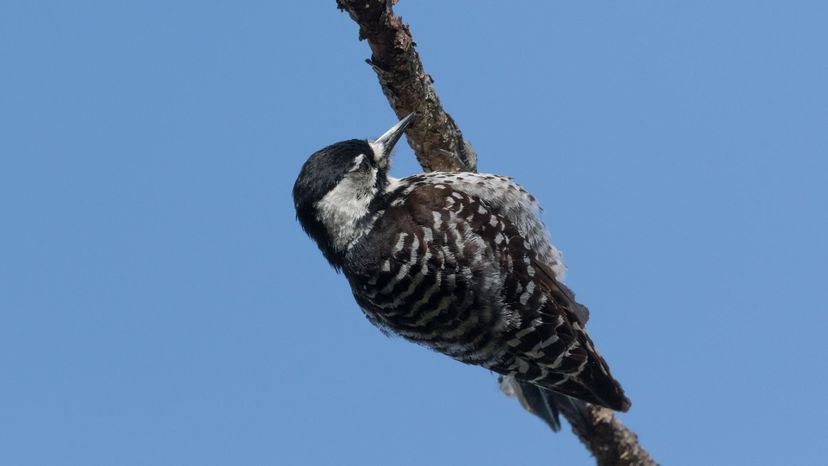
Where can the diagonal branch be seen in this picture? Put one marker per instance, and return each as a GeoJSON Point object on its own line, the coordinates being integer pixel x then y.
{"type": "Point", "coordinates": [609, 440]}
{"type": "Point", "coordinates": [434, 135]}
{"type": "Point", "coordinates": [439, 145]}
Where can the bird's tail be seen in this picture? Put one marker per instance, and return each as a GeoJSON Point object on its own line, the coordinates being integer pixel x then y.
{"type": "Point", "coordinates": [544, 403]}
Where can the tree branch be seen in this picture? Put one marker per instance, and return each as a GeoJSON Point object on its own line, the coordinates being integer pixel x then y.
{"type": "Point", "coordinates": [434, 135]}
{"type": "Point", "coordinates": [439, 146]}
{"type": "Point", "coordinates": [609, 441]}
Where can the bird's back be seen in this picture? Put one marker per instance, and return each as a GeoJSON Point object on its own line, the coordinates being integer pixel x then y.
{"type": "Point", "coordinates": [460, 262]}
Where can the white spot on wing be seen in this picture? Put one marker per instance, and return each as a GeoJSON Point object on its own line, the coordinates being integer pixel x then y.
{"type": "Point", "coordinates": [438, 220]}
{"type": "Point", "coordinates": [508, 200]}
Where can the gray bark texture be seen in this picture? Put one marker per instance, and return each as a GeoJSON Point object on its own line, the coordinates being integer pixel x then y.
{"type": "Point", "coordinates": [439, 146]}
{"type": "Point", "coordinates": [606, 437]}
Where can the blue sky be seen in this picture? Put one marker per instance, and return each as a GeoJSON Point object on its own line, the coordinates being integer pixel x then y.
{"type": "Point", "coordinates": [159, 304]}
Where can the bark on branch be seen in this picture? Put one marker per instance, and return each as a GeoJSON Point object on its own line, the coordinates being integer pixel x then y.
{"type": "Point", "coordinates": [434, 135]}
{"type": "Point", "coordinates": [439, 146]}
{"type": "Point", "coordinates": [609, 441]}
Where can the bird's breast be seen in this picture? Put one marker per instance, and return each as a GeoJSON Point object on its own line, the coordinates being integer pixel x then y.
{"type": "Point", "coordinates": [431, 284]}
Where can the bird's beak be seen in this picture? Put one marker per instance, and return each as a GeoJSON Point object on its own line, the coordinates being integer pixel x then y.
{"type": "Point", "coordinates": [385, 143]}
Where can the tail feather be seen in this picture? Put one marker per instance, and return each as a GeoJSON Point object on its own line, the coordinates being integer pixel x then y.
{"type": "Point", "coordinates": [544, 403]}
{"type": "Point", "coordinates": [535, 399]}
{"type": "Point", "coordinates": [578, 408]}
{"type": "Point", "coordinates": [541, 404]}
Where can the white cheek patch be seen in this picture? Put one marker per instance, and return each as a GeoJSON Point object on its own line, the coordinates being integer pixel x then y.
{"type": "Point", "coordinates": [341, 209]}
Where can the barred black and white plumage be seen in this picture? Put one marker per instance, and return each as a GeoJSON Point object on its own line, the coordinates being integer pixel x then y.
{"type": "Point", "coordinates": [458, 262]}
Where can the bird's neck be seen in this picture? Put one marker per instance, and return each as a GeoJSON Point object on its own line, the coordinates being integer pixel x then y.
{"type": "Point", "coordinates": [347, 213]}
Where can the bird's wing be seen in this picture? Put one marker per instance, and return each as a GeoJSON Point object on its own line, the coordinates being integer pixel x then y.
{"type": "Point", "coordinates": [545, 336]}
{"type": "Point", "coordinates": [484, 233]}
{"type": "Point", "coordinates": [553, 349]}
{"type": "Point", "coordinates": [551, 345]}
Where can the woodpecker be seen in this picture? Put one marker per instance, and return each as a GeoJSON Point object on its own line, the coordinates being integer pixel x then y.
{"type": "Point", "coordinates": [458, 262]}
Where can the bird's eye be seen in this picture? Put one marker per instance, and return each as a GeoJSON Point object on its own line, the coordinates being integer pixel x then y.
{"type": "Point", "coordinates": [360, 163]}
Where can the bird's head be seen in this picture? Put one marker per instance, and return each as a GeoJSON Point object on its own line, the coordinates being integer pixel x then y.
{"type": "Point", "coordinates": [336, 186]}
